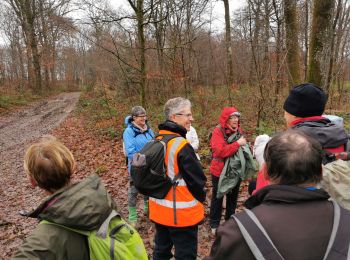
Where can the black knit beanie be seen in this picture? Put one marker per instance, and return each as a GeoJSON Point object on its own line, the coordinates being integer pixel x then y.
{"type": "Point", "coordinates": [305, 100]}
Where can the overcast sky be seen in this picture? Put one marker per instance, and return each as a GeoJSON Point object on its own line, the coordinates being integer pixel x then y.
{"type": "Point", "coordinates": [218, 23]}
{"type": "Point", "coordinates": [218, 10]}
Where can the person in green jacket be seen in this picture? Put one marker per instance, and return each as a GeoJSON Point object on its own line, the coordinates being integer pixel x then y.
{"type": "Point", "coordinates": [85, 205]}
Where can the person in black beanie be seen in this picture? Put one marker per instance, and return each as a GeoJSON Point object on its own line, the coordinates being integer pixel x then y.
{"type": "Point", "coordinates": [305, 100]}
{"type": "Point", "coordinates": [303, 110]}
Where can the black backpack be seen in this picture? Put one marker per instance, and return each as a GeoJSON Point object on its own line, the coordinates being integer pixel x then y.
{"type": "Point", "coordinates": [148, 171]}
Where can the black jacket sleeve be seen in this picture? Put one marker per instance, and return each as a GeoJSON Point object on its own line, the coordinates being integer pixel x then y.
{"type": "Point", "coordinates": [192, 172]}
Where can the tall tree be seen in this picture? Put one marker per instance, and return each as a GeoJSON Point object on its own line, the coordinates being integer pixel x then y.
{"type": "Point", "coordinates": [306, 37]}
{"type": "Point", "coordinates": [279, 47]}
{"type": "Point", "coordinates": [320, 40]}
{"type": "Point", "coordinates": [292, 45]}
{"type": "Point", "coordinates": [26, 12]}
{"type": "Point", "coordinates": [138, 7]}
{"type": "Point", "coordinates": [228, 42]}
{"type": "Point", "coordinates": [329, 75]}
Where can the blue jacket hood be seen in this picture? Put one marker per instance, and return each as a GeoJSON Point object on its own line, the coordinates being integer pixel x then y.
{"type": "Point", "coordinates": [127, 120]}
{"type": "Point", "coordinates": [128, 123]}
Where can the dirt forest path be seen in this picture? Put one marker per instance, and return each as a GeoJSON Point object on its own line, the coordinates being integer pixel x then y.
{"type": "Point", "coordinates": [93, 154]}
{"type": "Point", "coordinates": [17, 130]}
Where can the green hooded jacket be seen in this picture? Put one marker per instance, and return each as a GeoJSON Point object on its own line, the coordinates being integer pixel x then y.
{"type": "Point", "coordinates": [240, 165]}
{"type": "Point", "coordinates": [84, 206]}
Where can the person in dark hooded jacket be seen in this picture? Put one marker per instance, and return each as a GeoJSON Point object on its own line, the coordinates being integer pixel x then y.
{"type": "Point", "coordinates": [84, 206]}
{"type": "Point", "coordinates": [303, 110]}
{"type": "Point", "coordinates": [229, 124]}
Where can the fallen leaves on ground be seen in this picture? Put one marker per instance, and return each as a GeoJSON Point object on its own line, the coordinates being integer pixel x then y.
{"type": "Point", "coordinates": [104, 156]}
{"type": "Point", "coordinates": [92, 152]}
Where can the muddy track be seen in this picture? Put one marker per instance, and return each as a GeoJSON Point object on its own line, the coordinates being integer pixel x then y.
{"type": "Point", "coordinates": [17, 131]}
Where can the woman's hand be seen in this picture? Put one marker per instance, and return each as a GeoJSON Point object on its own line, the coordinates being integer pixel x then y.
{"type": "Point", "coordinates": [242, 141]}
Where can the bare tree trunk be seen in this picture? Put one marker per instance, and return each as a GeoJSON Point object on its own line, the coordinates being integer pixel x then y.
{"type": "Point", "coordinates": [21, 65]}
{"type": "Point", "coordinates": [142, 46]}
{"type": "Point", "coordinates": [306, 35]}
{"type": "Point", "coordinates": [228, 42]}
{"type": "Point", "coordinates": [184, 76]}
{"type": "Point", "coordinates": [320, 38]}
{"type": "Point", "coordinates": [45, 43]}
{"type": "Point", "coordinates": [138, 9]}
{"type": "Point", "coordinates": [290, 14]}
{"type": "Point", "coordinates": [279, 47]}
{"type": "Point", "coordinates": [329, 77]}
{"type": "Point", "coordinates": [254, 34]}
{"type": "Point", "coordinates": [158, 13]}
{"type": "Point", "coordinates": [26, 14]}
{"type": "Point", "coordinates": [266, 38]}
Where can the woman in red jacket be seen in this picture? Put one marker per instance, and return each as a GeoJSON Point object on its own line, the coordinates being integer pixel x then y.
{"type": "Point", "coordinates": [229, 124]}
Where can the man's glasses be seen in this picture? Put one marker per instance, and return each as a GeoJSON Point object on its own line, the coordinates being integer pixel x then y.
{"type": "Point", "coordinates": [186, 115]}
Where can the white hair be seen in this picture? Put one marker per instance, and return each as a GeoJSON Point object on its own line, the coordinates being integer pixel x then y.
{"type": "Point", "coordinates": [175, 105]}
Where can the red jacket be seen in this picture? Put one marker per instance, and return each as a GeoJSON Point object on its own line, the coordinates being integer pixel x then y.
{"type": "Point", "coordinates": [220, 148]}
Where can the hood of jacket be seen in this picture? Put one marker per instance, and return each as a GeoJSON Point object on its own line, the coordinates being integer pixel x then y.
{"type": "Point", "coordinates": [284, 194]}
{"type": "Point", "coordinates": [323, 130]}
{"type": "Point", "coordinates": [173, 127]}
{"type": "Point", "coordinates": [128, 120]}
{"type": "Point", "coordinates": [129, 123]}
{"type": "Point", "coordinates": [225, 114]}
{"type": "Point", "coordinates": [84, 205]}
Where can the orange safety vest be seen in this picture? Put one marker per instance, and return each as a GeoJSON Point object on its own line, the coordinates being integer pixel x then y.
{"type": "Point", "coordinates": [185, 210]}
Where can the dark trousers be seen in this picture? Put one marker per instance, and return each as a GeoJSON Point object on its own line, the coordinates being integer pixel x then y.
{"type": "Point", "coordinates": [216, 204]}
{"type": "Point", "coordinates": [184, 239]}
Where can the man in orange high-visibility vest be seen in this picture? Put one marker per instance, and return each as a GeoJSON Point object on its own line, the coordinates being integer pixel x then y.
{"type": "Point", "coordinates": [178, 214]}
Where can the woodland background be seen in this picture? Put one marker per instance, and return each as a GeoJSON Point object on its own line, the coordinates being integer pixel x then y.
{"type": "Point", "coordinates": [147, 51]}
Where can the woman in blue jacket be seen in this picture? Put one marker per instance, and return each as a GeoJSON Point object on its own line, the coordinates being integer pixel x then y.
{"type": "Point", "coordinates": [135, 136]}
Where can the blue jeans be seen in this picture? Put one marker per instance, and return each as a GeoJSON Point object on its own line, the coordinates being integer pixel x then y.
{"type": "Point", "coordinates": [184, 239]}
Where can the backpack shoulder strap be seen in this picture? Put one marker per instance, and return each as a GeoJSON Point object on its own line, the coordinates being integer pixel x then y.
{"type": "Point", "coordinates": [166, 137]}
{"type": "Point", "coordinates": [103, 229]}
{"type": "Point", "coordinates": [256, 236]}
{"type": "Point", "coordinates": [339, 242]}
{"type": "Point", "coordinates": [101, 232]}
{"type": "Point", "coordinates": [263, 248]}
